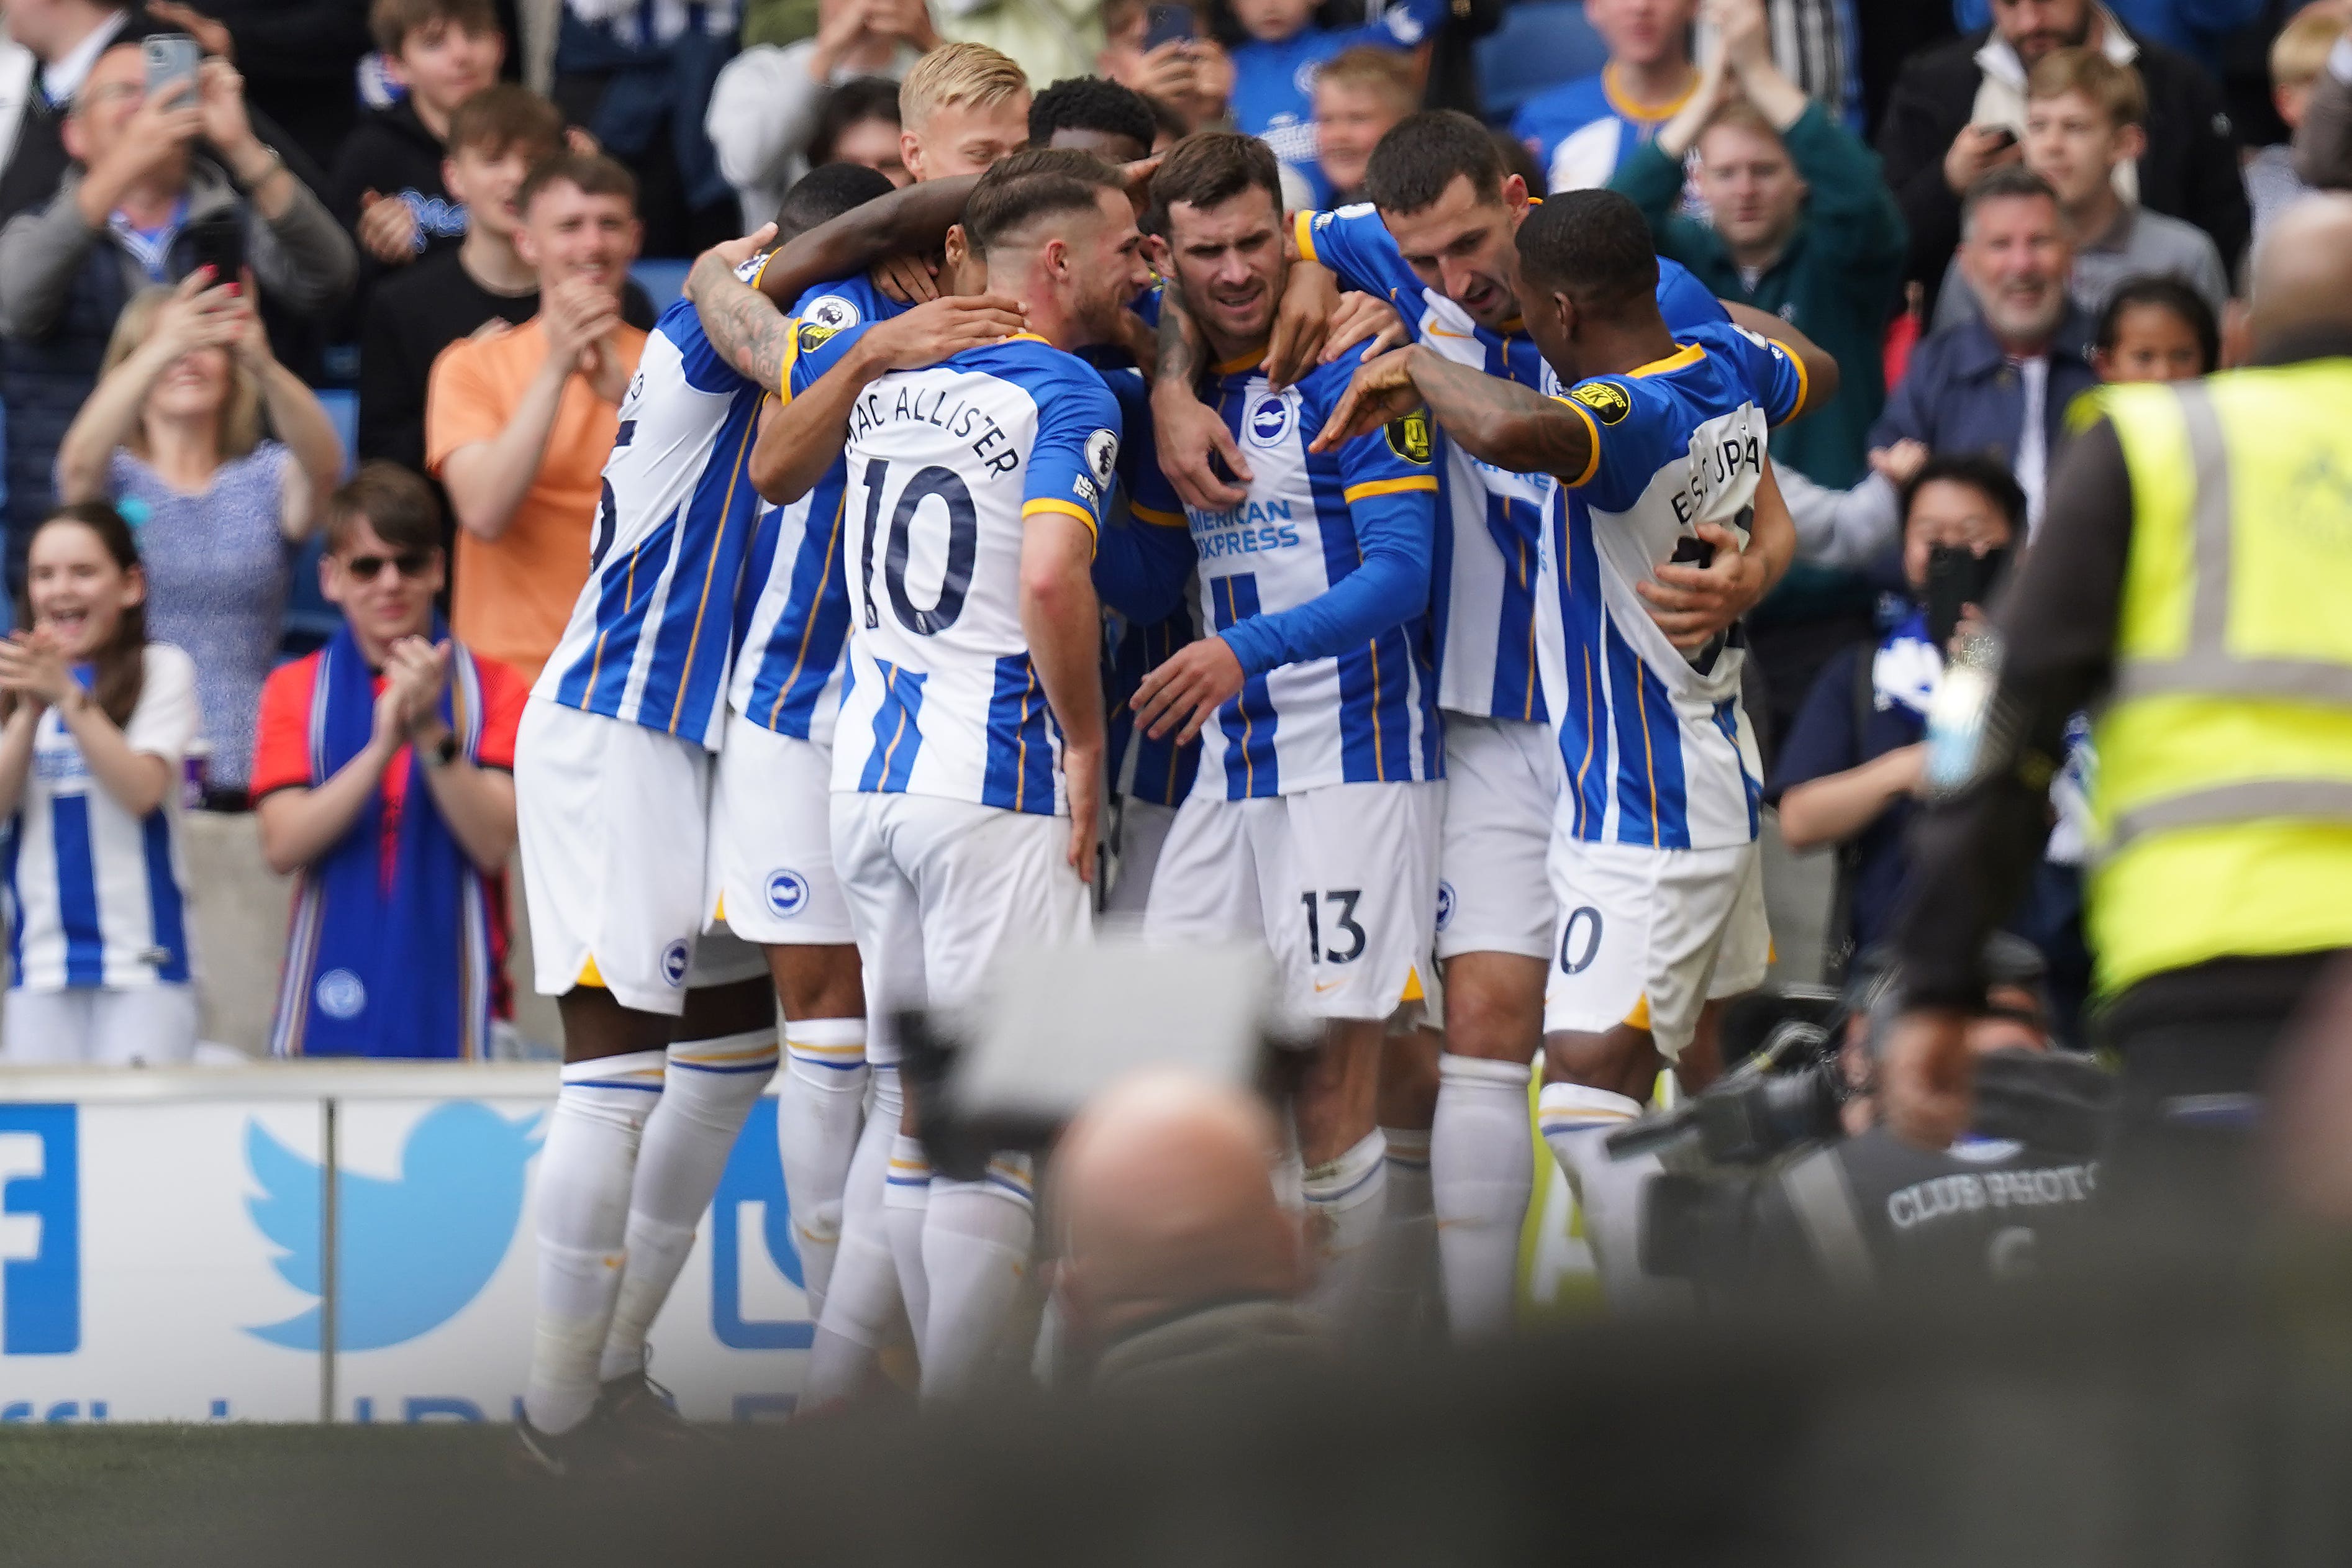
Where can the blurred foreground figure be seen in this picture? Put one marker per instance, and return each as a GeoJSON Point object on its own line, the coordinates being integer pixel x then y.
{"type": "Point", "coordinates": [2190, 573]}
{"type": "Point", "coordinates": [1178, 1262]}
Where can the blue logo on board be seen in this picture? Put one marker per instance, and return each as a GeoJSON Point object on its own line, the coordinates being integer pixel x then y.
{"type": "Point", "coordinates": [413, 1250]}
{"type": "Point", "coordinates": [751, 1216]}
{"type": "Point", "coordinates": [40, 1230]}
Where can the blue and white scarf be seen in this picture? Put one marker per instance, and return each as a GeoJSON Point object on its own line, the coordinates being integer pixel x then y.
{"type": "Point", "coordinates": [396, 968]}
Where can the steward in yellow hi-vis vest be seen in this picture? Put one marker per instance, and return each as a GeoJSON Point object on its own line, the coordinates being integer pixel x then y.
{"type": "Point", "coordinates": [2191, 588]}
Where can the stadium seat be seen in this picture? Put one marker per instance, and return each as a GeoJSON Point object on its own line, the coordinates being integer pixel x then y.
{"type": "Point", "coordinates": [310, 619]}
{"type": "Point", "coordinates": [663, 281]}
{"type": "Point", "coordinates": [1541, 44]}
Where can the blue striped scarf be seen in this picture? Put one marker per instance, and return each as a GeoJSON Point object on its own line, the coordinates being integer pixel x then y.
{"type": "Point", "coordinates": [372, 970]}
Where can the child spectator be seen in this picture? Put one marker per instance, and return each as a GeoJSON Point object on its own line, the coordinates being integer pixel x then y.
{"type": "Point", "coordinates": [1583, 133]}
{"type": "Point", "coordinates": [2083, 116]}
{"type": "Point", "coordinates": [387, 186]}
{"type": "Point", "coordinates": [499, 135]}
{"type": "Point", "coordinates": [1189, 81]}
{"type": "Point", "coordinates": [98, 720]}
{"type": "Point", "coordinates": [1853, 760]}
{"type": "Point", "coordinates": [172, 437]}
{"type": "Point", "coordinates": [382, 775]}
{"type": "Point", "coordinates": [860, 125]}
{"type": "Point", "coordinates": [2156, 330]}
{"type": "Point", "coordinates": [766, 104]}
{"type": "Point", "coordinates": [1360, 96]}
{"type": "Point", "coordinates": [2298, 56]}
{"type": "Point", "coordinates": [517, 423]}
{"type": "Point", "coordinates": [637, 75]}
{"type": "Point", "coordinates": [1275, 67]}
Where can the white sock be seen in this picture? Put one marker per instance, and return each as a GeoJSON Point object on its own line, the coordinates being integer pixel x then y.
{"type": "Point", "coordinates": [1575, 1121]}
{"type": "Point", "coordinates": [862, 1298]}
{"type": "Point", "coordinates": [904, 1202]}
{"type": "Point", "coordinates": [976, 1243]}
{"type": "Point", "coordinates": [585, 1169]}
{"type": "Point", "coordinates": [818, 1103]}
{"type": "Point", "coordinates": [1404, 1262]}
{"type": "Point", "coordinates": [1345, 1198]}
{"type": "Point", "coordinates": [1482, 1166]}
{"type": "Point", "coordinates": [707, 1096]}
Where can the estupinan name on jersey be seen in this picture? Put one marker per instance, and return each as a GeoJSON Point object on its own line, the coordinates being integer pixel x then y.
{"type": "Point", "coordinates": [942, 408]}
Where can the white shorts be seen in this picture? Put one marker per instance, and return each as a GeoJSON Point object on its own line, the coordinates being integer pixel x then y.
{"type": "Point", "coordinates": [1340, 883]}
{"type": "Point", "coordinates": [1502, 778]}
{"type": "Point", "coordinates": [1649, 937]}
{"type": "Point", "coordinates": [150, 1026]}
{"type": "Point", "coordinates": [937, 888]}
{"type": "Point", "coordinates": [1142, 833]}
{"type": "Point", "coordinates": [772, 876]}
{"type": "Point", "coordinates": [612, 819]}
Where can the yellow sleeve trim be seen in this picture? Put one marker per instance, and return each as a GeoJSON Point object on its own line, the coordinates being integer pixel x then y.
{"type": "Point", "coordinates": [1593, 466]}
{"type": "Point", "coordinates": [1158, 518]}
{"type": "Point", "coordinates": [1050, 503]}
{"type": "Point", "coordinates": [1804, 381]}
{"type": "Point", "coordinates": [1372, 487]}
{"type": "Point", "coordinates": [1304, 230]}
{"type": "Point", "coordinates": [792, 358]}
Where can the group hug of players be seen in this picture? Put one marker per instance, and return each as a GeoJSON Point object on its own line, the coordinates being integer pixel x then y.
{"type": "Point", "coordinates": [1420, 667]}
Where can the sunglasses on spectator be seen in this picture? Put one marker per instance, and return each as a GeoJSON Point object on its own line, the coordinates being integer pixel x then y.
{"type": "Point", "coordinates": [408, 563]}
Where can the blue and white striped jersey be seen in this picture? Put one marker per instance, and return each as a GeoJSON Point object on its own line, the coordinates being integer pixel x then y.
{"type": "Point", "coordinates": [1147, 601]}
{"type": "Point", "coordinates": [1485, 608]}
{"type": "Point", "coordinates": [1320, 582]}
{"type": "Point", "coordinates": [1656, 748]}
{"type": "Point", "coordinates": [93, 891]}
{"type": "Point", "coordinates": [652, 632]}
{"type": "Point", "coordinates": [792, 615]}
{"type": "Point", "coordinates": [946, 465]}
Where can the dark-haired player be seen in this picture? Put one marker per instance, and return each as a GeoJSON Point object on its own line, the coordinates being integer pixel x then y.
{"type": "Point", "coordinates": [1658, 446]}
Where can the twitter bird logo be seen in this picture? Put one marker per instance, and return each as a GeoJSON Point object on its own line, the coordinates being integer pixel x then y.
{"type": "Point", "coordinates": [412, 1252]}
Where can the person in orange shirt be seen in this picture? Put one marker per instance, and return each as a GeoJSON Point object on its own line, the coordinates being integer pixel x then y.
{"type": "Point", "coordinates": [519, 421]}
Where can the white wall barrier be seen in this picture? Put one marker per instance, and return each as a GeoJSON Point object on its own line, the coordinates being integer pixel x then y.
{"type": "Point", "coordinates": [343, 1243]}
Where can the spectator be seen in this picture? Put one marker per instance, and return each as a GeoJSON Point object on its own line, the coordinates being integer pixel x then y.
{"type": "Point", "coordinates": [1178, 1262]}
{"type": "Point", "coordinates": [2323, 142]}
{"type": "Point", "coordinates": [1584, 131]}
{"type": "Point", "coordinates": [766, 106]}
{"type": "Point", "coordinates": [2083, 116]}
{"type": "Point", "coordinates": [1276, 62]}
{"type": "Point", "coordinates": [172, 437]}
{"type": "Point", "coordinates": [639, 76]}
{"type": "Point", "coordinates": [860, 125]}
{"type": "Point", "coordinates": [1047, 40]}
{"type": "Point", "coordinates": [517, 423]}
{"type": "Point", "coordinates": [97, 720]}
{"type": "Point", "coordinates": [2156, 330]}
{"type": "Point", "coordinates": [777, 22]}
{"type": "Point", "coordinates": [1168, 126]}
{"type": "Point", "coordinates": [1360, 96]}
{"type": "Point", "coordinates": [1191, 78]}
{"type": "Point", "coordinates": [298, 58]}
{"type": "Point", "coordinates": [1817, 46]}
{"type": "Point", "coordinates": [387, 187]}
{"type": "Point", "coordinates": [494, 140]}
{"type": "Point", "coordinates": [1959, 109]}
{"type": "Point", "coordinates": [130, 212]}
{"type": "Point", "coordinates": [1856, 756]}
{"type": "Point", "coordinates": [1798, 225]}
{"type": "Point", "coordinates": [382, 777]}
{"type": "Point", "coordinates": [965, 105]}
{"type": "Point", "coordinates": [2298, 56]}
{"type": "Point", "coordinates": [2195, 28]}
{"type": "Point", "coordinates": [2001, 382]}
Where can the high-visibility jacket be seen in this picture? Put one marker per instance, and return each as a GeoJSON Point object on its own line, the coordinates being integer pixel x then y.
{"type": "Point", "coordinates": [2223, 800]}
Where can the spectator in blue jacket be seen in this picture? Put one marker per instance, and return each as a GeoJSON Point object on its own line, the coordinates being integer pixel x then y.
{"type": "Point", "coordinates": [2002, 383]}
{"type": "Point", "coordinates": [2195, 28]}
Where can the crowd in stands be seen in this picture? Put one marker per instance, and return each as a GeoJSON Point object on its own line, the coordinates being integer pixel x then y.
{"type": "Point", "coordinates": [426, 213]}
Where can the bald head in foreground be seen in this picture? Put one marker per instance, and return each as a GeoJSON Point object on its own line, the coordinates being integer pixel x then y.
{"type": "Point", "coordinates": [1177, 1259]}
{"type": "Point", "coordinates": [2302, 270]}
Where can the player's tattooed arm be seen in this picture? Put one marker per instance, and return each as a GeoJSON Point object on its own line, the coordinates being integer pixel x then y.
{"type": "Point", "coordinates": [1191, 437]}
{"type": "Point", "coordinates": [743, 325]}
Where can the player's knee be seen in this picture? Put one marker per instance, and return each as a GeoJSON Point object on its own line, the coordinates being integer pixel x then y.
{"type": "Point", "coordinates": [1408, 1079]}
{"type": "Point", "coordinates": [819, 982]}
{"type": "Point", "coordinates": [1623, 1060]}
{"type": "Point", "coordinates": [1492, 1014]}
{"type": "Point", "coordinates": [596, 1025]}
{"type": "Point", "coordinates": [739, 1007]}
